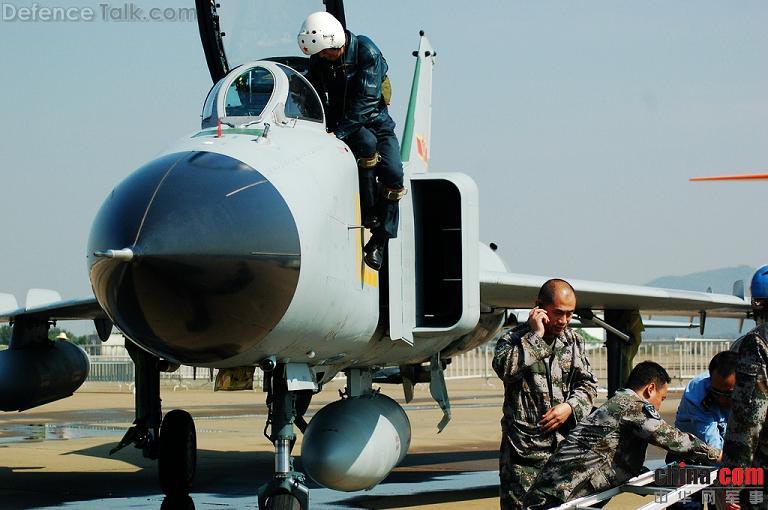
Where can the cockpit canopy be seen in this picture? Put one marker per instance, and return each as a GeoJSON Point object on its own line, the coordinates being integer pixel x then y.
{"type": "Point", "coordinates": [259, 91]}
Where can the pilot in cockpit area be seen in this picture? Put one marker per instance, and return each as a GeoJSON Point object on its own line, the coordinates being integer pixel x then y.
{"type": "Point", "coordinates": [350, 75]}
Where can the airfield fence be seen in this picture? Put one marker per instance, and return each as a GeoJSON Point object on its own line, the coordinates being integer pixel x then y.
{"type": "Point", "coordinates": [683, 358]}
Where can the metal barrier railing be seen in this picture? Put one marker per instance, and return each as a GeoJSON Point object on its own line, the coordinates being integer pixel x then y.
{"type": "Point", "coordinates": [119, 370]}
{"type": "Point", "coordinates": [683, 359]}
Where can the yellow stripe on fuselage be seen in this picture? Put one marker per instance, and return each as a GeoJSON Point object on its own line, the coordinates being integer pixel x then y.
{"type": "Point", "coordinates": [365, 275]}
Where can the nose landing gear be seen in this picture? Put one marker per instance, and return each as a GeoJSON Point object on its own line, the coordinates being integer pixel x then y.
{"type": "Point", "coordinates": [171, 440]}
{"type": "Point", "coordinates": [287, 489]}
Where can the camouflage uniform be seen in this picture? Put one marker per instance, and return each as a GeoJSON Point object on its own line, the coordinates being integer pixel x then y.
{"type": "Point", "coordinates": [537, 376]}
{"type": "Point", "coordinates": [746, 437]}
{"type": "Point", "coordinates": [608, 448]}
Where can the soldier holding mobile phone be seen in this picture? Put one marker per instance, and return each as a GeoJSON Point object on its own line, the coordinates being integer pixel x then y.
{"type": "Point", "coordinates": [548, 388]}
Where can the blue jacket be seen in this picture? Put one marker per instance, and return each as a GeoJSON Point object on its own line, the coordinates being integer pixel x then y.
{"type": "Point", "coordinates": [706, 424]}
{"type": "Point", "coordinates": [351, 88]}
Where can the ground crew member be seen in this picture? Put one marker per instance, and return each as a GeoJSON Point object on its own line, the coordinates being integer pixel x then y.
{"type": "Point", "coordinates": [548, 387]}
{"type": "Point", "coordinates": [350, 74]}
{"type": "Point", "coordinates": [704, 409]}
{"type": "Point", "coordinates": [706, 401]}
{"type": "Point", "coordinates": [746, 439]}
{"type": "Point", "coordinates": [608, 447]}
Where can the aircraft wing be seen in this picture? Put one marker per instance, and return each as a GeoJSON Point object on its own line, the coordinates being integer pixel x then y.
{"type": "Point", "coordinates": [71, 309]}
{"type": "Point", "coordinates": [511, 290]}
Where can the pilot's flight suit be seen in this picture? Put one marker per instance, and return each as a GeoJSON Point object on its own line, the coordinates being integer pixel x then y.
{"type": "Point", "coordinates": [351, 90]}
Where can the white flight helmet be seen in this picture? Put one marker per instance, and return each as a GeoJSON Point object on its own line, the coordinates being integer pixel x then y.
{"type": "Point", "coordinates": [319, 32]}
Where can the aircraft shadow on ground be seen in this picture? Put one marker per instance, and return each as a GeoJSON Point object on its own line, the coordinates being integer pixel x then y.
{"type": "Point", "coordinates": [430, 458]}
{"type": "Point", "coordinates": [421, 498]}
{"type": "Point", "coordinates": [233, 474]}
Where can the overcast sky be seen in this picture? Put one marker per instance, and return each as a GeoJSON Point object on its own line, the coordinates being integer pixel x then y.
{"type": "Point", "coordinates": [581, 122]}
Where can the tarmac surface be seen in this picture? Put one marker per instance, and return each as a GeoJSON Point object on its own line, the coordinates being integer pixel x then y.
{"type": "Point", "coordinates": [57, 455]}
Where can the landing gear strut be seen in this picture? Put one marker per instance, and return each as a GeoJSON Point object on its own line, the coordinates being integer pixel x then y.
{"type": "Point", "coordinates": [171, 440]}
{"type": "Point", "coordinates": [287, 489]}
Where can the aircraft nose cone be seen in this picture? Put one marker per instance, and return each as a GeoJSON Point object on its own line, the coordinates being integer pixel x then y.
{"type": "Point", "coordinates": [217, 256]}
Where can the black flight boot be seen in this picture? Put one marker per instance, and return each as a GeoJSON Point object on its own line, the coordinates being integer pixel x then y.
{"type": "Point", "coordinates": [374, 253]}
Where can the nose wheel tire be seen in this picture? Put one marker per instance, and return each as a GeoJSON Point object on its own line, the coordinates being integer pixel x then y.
{"type": "Point", "coordinates": [178, 453]}
{"type": "Point", "coordinates": [283, 502]}
{"type": "Point", "coordinates": [178, 503]}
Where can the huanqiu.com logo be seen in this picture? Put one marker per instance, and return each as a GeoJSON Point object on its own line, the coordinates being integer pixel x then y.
{"type": "Point", "coordinates": [732, 480]}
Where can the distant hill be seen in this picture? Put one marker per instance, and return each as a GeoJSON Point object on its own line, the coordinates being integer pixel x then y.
{"type": "Point", "coordinates": [721, 282]}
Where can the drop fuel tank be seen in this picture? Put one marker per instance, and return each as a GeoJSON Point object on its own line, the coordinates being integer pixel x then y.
{"type": "Point", "coordinates": [354, 443]}
{"type": "Point", "coordinates": [33, 376]}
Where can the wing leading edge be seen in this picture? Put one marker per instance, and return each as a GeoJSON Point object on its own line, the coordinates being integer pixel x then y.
{"type": "Point", "coordinates": [71, 309]}
{"type": "Point", "coordinates": [511, 290]}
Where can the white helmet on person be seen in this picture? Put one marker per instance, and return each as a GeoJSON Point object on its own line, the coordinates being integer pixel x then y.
{"type": "Point", "coordinates": [319, 32]}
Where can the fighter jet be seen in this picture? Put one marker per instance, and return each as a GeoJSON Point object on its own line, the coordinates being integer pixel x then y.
{"type": "Point", "coordinates": [240, 248]}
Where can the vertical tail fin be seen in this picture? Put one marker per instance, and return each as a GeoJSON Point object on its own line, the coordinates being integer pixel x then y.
{"type": "Point", "coordinates": [415, 145]}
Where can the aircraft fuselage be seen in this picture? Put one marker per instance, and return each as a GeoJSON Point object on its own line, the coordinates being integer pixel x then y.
{"type": "Point", "coordinates": [246, 244]}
